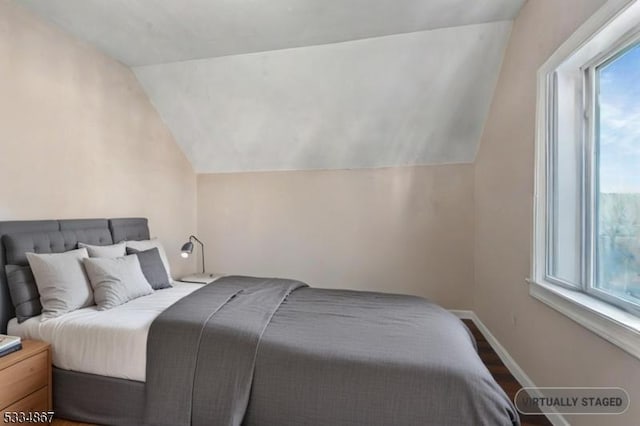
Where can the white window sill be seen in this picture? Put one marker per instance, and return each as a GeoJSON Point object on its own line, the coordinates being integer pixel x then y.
{"type": "Point", "coordinates": [609, 322]}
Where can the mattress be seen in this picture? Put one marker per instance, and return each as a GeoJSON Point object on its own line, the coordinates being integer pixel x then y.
{"type": "Point", "coordinates": [109, 343]}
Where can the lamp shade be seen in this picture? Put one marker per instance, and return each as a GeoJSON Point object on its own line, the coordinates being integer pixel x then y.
{"type": "Point", "coordinates": [187, 249]}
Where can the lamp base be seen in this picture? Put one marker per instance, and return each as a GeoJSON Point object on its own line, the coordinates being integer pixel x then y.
{"type": "Point", "coordinates": [205, 278]}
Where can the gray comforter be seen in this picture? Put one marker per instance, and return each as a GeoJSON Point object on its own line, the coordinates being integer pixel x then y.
{"type": "Point", "coordinates": [269, 352]}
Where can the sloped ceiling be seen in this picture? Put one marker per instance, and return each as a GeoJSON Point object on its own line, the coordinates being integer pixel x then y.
{"type": "Point", "coordinates": [251, 85]}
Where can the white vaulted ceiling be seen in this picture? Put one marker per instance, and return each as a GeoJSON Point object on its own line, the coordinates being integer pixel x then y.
{"type": "Point", "coordinates": [418, 98]}
{"type": "Point", "coordinates": [305, 84]}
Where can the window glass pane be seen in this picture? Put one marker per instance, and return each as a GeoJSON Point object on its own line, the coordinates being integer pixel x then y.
{"type": "Point", "coordinates": [618, 180]}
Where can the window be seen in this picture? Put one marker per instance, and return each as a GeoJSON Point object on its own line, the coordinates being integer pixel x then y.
{"type": "Point", "coordinates": [587, 205]}
{"type": "Point", "coordinates": [617, 179]}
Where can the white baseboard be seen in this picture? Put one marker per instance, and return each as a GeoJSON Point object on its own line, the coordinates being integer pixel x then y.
{"type": "Point", "coordinates": [464, 314]}
{"type": "Point", "coordinates": [509, 362]}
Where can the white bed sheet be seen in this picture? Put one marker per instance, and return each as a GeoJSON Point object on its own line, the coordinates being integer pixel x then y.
{"type": "Point", "coordinates": [109, 343]}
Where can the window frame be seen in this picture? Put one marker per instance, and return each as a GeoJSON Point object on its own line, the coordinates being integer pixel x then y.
{"type": "Point", "coordinates": [551, 161]}
{"type": "Point", "coordinates": [603, 37]}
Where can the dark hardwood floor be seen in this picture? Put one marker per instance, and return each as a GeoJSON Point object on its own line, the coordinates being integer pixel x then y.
{"type": "Point", "coordinates": [490, 358]}
{"type": "Point", "coordinates": [501, 374]}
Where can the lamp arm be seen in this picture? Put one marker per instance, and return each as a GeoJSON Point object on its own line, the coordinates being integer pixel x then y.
{"type": "Point", "coordinates": [193, 237]}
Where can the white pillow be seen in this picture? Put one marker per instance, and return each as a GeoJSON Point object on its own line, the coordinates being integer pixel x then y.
{"type": "Point", "coordinates": [113, 250]}
{"type": "Point", "coordinates": [148, 245]}
{"type": "Point", "coordinates": [116, 280]}
{"type": "Point", "coordinates": [61, 281]}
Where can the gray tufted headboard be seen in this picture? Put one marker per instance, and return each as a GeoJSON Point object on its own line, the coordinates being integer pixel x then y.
{"type": "Point", "coordinates": [56, 236]}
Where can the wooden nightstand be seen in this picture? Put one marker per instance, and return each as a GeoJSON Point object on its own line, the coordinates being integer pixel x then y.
{"type": "Point", "coordinates": [25, 379]}
{"type": "Point", "coordinates": [205, 278]}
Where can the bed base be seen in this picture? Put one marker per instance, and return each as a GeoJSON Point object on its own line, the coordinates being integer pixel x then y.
{"type": "Point", "coordinates": [97, 399]}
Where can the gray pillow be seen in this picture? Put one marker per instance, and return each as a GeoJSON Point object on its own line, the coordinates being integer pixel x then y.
{"type": "Point", "coordinates": [61, 281]}
{"type": "Point", "coordinates": [148, 245]}
{"type": "Point", "coordinates": [152, 267]}
{"type": "Point", "coordinates": [24, 292]}
{"type": "Point", "coordinates": [112, 250]}
{"type": "Point", "coordinates": [116, 280]}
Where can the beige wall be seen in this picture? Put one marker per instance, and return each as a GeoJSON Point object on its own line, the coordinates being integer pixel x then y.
{"type": "Point", "coordinates": [407, 229]}
{"type": "Point", "coordinates": [551, 348]}
{"type": "Point", "coordinates": [79, 138]}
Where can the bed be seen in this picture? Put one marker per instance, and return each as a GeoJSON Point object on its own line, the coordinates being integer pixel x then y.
{"type": "Point", "coordinates": [252, 351]}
